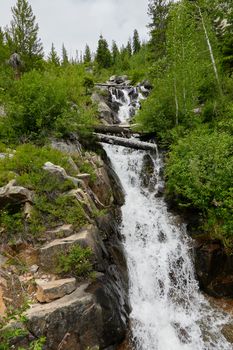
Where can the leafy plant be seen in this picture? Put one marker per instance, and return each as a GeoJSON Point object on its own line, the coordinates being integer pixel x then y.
{"type": "Point", "coordinates": [77, 261]}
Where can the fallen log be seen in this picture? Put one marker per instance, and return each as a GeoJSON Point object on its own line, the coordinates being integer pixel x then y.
{"type": "Point", "coordinates": [130, 143]}
{"type": "Point", "coordinates": [117, 86]}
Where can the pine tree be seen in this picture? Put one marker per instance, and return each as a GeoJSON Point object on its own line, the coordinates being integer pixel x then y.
{"type": "Point", "coordinates": [87, 55]}
{"type": "Point", "coordinates": [136, 42]}
{"type": "Point", "coordinates": [53, 56]}
{"type": "Point", "coordinates": [65, 59]}
{"type": "Point", "coordinates": [22, 35]}
{"type": "Point", "coordinates": [158, 11]}
{"type": "Point", "coordinates": [103, 54]}
{"type": "Point", "coordinates": [129, 48]}
{"type": "Point", "coordinates": [115, 52]}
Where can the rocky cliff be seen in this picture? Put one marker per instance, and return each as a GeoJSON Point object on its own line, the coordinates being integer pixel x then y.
{"type": "Point", "coordinates": [71, 312]}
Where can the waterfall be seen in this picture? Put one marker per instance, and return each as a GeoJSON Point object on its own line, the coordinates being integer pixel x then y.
{"type": "Point", "coordinates": [168, 310]}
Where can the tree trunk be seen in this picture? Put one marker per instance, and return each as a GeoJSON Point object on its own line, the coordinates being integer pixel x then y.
{"type": "Point", "coordinates": [130, 143]}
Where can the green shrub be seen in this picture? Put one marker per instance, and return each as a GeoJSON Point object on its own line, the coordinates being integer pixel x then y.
{"type": "Point", "coordinates": [199, 174]}
{"type": "Point", "coordinates": [77, 261]}
{"type": "Point", "coordinates": [51, 101]}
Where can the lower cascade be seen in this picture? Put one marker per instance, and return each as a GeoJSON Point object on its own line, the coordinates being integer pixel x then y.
{"type": "Point", "coordinates": [168, 310]}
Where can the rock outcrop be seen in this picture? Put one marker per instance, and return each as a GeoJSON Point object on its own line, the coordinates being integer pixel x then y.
{"type": "Point", "coordinates": [14, 195]}
{"type": "Point", "coordinates": [49, 291]}
{"type": "Point", "coordinates": [214, 268]}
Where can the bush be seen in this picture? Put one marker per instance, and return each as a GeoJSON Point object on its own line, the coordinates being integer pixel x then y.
{"type": "Point", "coordinates": [76, 262]}
{"type": "Point", "coordinates": [199, 174]}
{"type": "Point", "coordinates": [52, 100]}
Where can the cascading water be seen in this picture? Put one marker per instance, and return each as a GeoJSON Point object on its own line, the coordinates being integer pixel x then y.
{"type": "Point", "coordinates": [168, 311]}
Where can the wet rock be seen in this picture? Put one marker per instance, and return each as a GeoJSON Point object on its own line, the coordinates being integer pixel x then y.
{"type": "Point", "coordinates": [14, 195]}
{"type": "Point", "coordinates": [105, 112]}
{"type": "Point", "coordinates": [147, 85]}
{"type": "Point", "coordinates": [147, 175]}
{"type": "Point", "coordinates": [214, 268]}
{"type": "Point", "coordinates": [227, 331]}
{"type": "Point", "coordinates": [49, 291]}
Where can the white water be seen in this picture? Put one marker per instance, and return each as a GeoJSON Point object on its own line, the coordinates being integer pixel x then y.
{"type": "Point", "coordinates": [168, 311]}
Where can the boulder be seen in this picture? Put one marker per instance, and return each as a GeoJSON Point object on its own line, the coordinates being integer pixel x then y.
{"type": "Point", "coordinates": [71, 146]}
{"type": "Point", "coordinates": [148, 176]}
{"type": "Point", "coordinates": [60, 172]}
{"type": "Point", "coordinates": [87, 237]}
{"type": "Point", "coordinates": [49, 291]}
{"type": "Point", "coordinates": [75, 317]}
{"type": "Point", "coordinates": [14, 195]}
{"type": "Point", "coordinates": [105, 112]}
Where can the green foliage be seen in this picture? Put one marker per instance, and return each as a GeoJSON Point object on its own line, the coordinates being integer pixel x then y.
{"type": "Point", "coordinates": [77, 262]}
{"type": "Point", "coordinates": [45, 102]}
{"type": "Point", "coordinates": [103, 55]}
{"type": "Point", "coordinates": [22, 35]}
{"type": "Point", "coordinates": [65, 59]}
{"type": "Point", "coordinates": [136, 42]}
{"type": "Point", "coordinates": [38, 344]}
{"type": "Point", "coordinates": [53, 57]}
{"type": "Point", "coordinates": [51, 205]}
{"type": "Point", "coordinates": [199, 174]}
{"type": "Point", "coordinates": [87, 55]}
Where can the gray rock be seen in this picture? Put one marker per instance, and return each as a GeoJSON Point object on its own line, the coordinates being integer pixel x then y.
{"type": "Point", "coordinates": [105, 112]}
{"type": "Point", "coordinates": [60, 173]}
{"type": "Point", "coordinates": [14, 195]}
{"type": "Point", "coordinates": [49, 291]}
{"type": "Point", "coordinates": [70, 147]}
{"type": "Point", "coordinates": [87, 237]}
{"type": "Point", "coordinates": [34, 268]}
{"type": "Point", "coordinates": [76, 314]}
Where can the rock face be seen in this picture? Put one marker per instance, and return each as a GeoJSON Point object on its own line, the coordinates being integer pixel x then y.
{"type": "Point", "coordinates": [49, 291]}
{"type": "Point", "coordinates": [214, 268]}
{"type": "Point", "coordinates": [87, 317]}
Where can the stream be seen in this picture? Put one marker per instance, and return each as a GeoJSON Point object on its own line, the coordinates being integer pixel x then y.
{"type": "Point", "coordinates": [168, 310]}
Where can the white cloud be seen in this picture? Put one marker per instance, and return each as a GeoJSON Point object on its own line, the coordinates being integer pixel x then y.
{"type": "Point", "coordinates": [77, 22]}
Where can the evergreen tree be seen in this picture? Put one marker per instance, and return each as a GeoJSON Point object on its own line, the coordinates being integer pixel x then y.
{"type": "Point", "coordinates": [158, 11]}
{"type": "Point", "coordinates": [53, 56]}
{"type": "Point", "coordinates": [87, 55]}
{"type": "Point", "coordinates": [115, 52]}
{"type": "Point", "coordinates": [129, 48]}
{"type": "Point", "coordinates": [65, 59]}
{"type": "Point", "coordinates": [22, 35]}
{"type": "Point", "coordinates": [136, 42]}
{"type": "Point", "coordinates": [103, 54]}
{"type": "Point", "coordinates": [4, 49]}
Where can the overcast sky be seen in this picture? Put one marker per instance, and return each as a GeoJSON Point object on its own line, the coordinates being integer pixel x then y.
{"type": "Point", "coordinates": [77, 22]}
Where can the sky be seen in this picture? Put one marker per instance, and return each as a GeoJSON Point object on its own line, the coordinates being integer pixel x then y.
{"type": "Point", "coordinates": [77, 22]}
